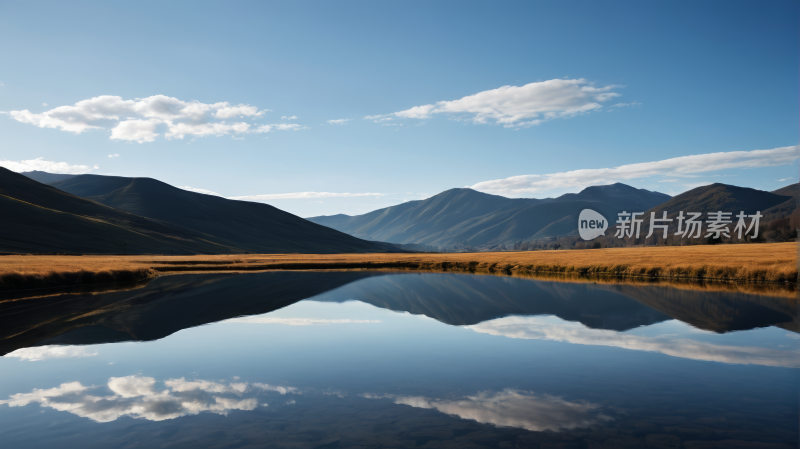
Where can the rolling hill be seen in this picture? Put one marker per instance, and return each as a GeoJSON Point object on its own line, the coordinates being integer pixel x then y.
{"type": "Point", "coordinates": [720, 197]}
{"type": "Point", "coordinates": [148, 216]}
{"type": "Point", "coordinates": [786, 208]}
{"type": "Point", "coordinates": [469, 217]}
{"type": "Point", "coordinates": [40, 218]}
{"type": "Point", "coordinates": [255, 227]}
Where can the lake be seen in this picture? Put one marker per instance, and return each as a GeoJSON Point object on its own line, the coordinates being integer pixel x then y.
{"type": "Point", "coordinates": [381, 359]}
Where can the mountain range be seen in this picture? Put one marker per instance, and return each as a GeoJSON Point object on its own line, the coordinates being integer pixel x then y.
{"type": "Point", "coordinates": [113, 214]}
{"type": "Point", "coordinates": [471, 218]}
{"type": "Point", "coordinates": [779, 221]}
{"type": "Point", "coordinates": [106, 214]}
{"type": "Point", "coordinates": [254, 227]}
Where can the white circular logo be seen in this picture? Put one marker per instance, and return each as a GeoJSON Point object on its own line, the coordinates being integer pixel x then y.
{"type": "Point", "coordinates": [591, 224]}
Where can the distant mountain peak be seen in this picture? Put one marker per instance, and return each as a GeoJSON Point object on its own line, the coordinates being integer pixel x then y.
{"type": "Point", "coordinates": [617, 187]}
{"type": "Point", "coordinates": [45, 177]}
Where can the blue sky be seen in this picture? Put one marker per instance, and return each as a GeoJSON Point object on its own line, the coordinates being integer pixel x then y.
{"type": "Point", "coordinates": [695, 78]}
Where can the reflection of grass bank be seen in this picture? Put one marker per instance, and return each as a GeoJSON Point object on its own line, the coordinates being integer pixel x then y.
{"type": "Point", "coordinates": [44, 277]}
{"type": "Point", "coordinates": [768, 262]}
{"type": "Point", "coordinates": [786, 290]}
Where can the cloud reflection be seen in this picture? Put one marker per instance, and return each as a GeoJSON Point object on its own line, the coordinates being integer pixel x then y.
{"type": "Point", "coordinates": [138, 397]}
{"type": "Point", "coordinates": [50, 352]}
{"type": "Point", "coordinates": [537, 328]}
{"type": "Point", "coordinates": [512, 408]}
{"type": "Point", "coordinates": [297, 321]}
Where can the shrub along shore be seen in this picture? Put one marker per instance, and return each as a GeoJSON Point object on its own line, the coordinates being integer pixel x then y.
{"type": "Point", "coordinates": [759, 262]}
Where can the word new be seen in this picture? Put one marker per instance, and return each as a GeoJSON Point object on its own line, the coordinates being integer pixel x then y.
{"type": "Point", "coordinates": [689, 225]}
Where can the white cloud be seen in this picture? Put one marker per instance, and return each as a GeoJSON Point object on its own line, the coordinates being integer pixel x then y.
{"type": "Point", "coordinates": [279, 127]}
{"type": "Point", "coordinates": [181, 130]}
{"type": "Point", "coordinates": [286, 117]}
{"type": "Point", "coordinates": [340, 121]}
{"type": "Point", "coordinates": [113, 155]}
{"type": "Point", "coordinates": [196, 190]}
{"type": "Point", "coordinates": [50, 352]}
{"type": "Point", "coordinates": [538, 328]}
{"type": "Point", "coordinates": [302, 195]}
{"type": "Point", "coordinates": [512, 408]}
{"type": "Point", "coordinates": [140, 397]}
{"type": "Point", "coordinates": [378, 118]}
{"type": "Point", "coordinates": [785, 179]}
{"type": "Point", "coordinates": [277, 388]}
{"type": "Point", "coordinates": [518, 106]}
{"type": "Point", "coordinates": [678, 166]}
{"type": "Point", "coordinates": [182, 384]}
{"type": "Point", "coordinates": [238, 111]}
{"type": "Point", "coordinates": [622, 105]}
{"type": "Point", "coordinates": [48, 166]}
{"type": "Point", "coordinates": [136, 130]}
{"type": "Point", "coordinates": [44, 104]}
{"type": "Point", "coordinates": [143, 119]}
{"type": "Point", "coordinates": [297, 321]}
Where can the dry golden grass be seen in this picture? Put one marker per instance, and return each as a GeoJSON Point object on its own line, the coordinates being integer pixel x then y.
{"type": "Point", "coordinates": [771, 262]}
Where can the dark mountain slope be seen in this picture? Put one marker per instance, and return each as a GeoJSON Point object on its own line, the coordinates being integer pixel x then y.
{"type": "Point", "coordinates": [787, 207]}
{"type": "Point", "coordinates": [255, 227]}
{"type": "Point", "coordinates": [44, 177]}
{"type": "Point", "coordinates": [780, 217]}
{"type": "Point", "coordinates": [468, 217]}
{"type": "Point", "coordinates": [790, 190]}
{"type": "Point", "coordinates": [720, 197]}
{"type": "Point", "coordinates": [40, 218]}
{"type": "Point", "coordinates": [618, 196]}
{"type": "Point", "coordinates": [431, 221]}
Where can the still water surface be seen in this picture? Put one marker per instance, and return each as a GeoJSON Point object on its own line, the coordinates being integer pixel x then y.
{"type": "Point", "coordinates": [358, 359]}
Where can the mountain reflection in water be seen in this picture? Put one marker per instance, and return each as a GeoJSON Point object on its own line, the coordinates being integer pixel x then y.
{"type": "Point", "coordinates": [378, 359]}
{"type": "Point", "coordinates": [169, 304]}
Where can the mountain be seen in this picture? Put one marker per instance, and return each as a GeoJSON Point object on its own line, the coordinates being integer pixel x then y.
{"type": "Point", "coordinates": [619, 196]}
{"type": "Point", "coordinates": [40, 218]}
{"type": "Point", "coordinates": [781, 217]}
{"type": "Point", "coordinates": [44, 177]}
{"type": "Point", "coordinates": [726, 198]}
{"type": "Point", "coordinates": [787, 207]}
{"type": "Point", "coordinates": [252, 227]}
{"type": "Point", "coordinates": [720, 197]}
{"type": "Point", "coordinates": [468, 217]}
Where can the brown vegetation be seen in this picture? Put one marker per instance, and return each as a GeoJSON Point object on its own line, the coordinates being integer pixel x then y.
{"type": "Point", "coordinates": [768, 262]}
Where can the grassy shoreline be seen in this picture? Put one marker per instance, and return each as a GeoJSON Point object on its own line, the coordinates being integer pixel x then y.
{"type": "Point", "coordinates": [764, 263]}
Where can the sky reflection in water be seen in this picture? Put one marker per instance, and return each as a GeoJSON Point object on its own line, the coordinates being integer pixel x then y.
{"type": "Point", "coordinates": [418, 359]}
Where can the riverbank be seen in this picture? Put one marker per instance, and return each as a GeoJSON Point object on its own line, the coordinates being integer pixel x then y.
{"type": "Point", "coordinates": [766, 262]}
